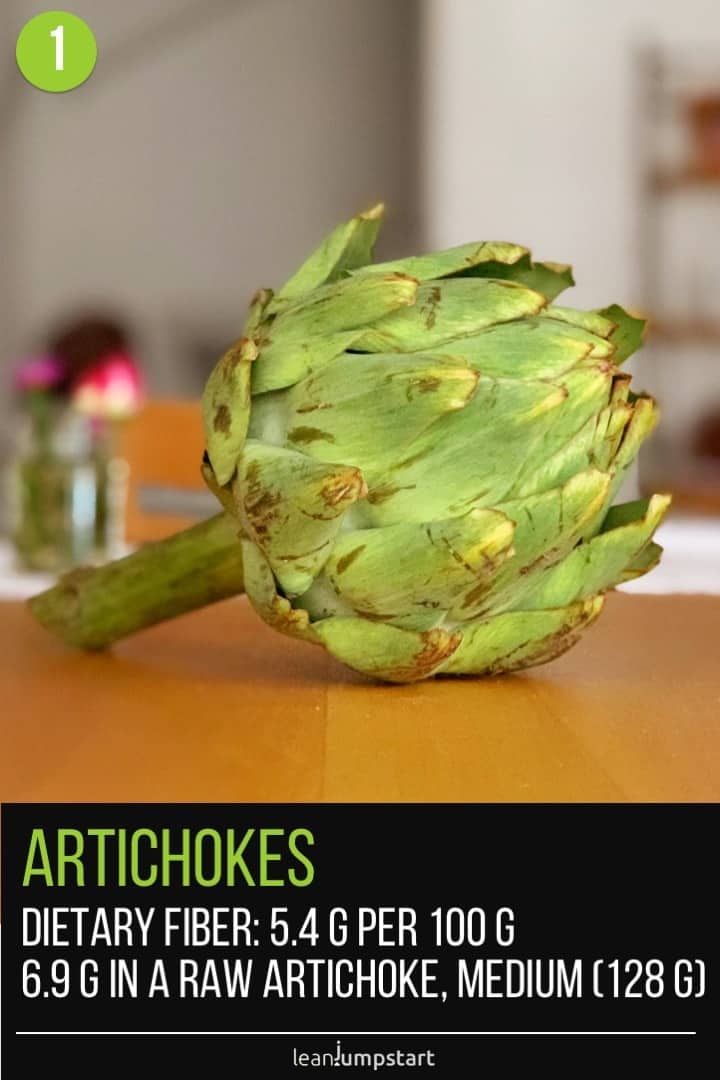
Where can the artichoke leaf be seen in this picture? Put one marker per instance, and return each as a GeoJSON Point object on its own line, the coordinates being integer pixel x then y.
{"type": "Point", "coordinates": [386, 652]}
{"type": "Point", "coordinates": [449, 309]}
{"type": "Point", "coordinates": [457, 260]}
{"type": "Point", "coordinates": [547, 527]}
{"type": "Point", "coordinates": [409, 575]}
{"type": "Point", "coordinates": [594, 444]}
{"type": "Point", "coordinates": [550, 279]}
{"type": "Point", "coordinates": [641, 424]}
{"type": "Point", "coordinates": [224, 495]}
{"type": "Point", "coordinates": [491, 259]}
{"type": "Point", "coordinates": [292, 507]}
{"type": "Point", "coordinates": [466, 459]}
{"type": "Point", "coordinates": [283, 364]}
{"type": "Point", "coordinates": [588, 390]}
{"type": "Point", "coordinates": [518, 639]}
{"type": "Point", "coordinates": [643, 563]}
{"type": "Point", "coordinates": [600, 563]}
{"type": "Point", "coordinates": [530, 348]}
{"type": "Point", "coordinates": [367, 410]}
{"type": "Point", "coordinates": [257, 312]}
{"type": "Point", "coordinates": [627, 337]}
{"type": "Point", "coordinates": [226, 409]}
{"type": "Point", "coordinates": [591, 321]}
{"type": "Point", "coordinates": [347, 247]}
{"type": "Point", "coordinates": [349, 304]}
{"type": "Point", "coordinates": [261, 591]}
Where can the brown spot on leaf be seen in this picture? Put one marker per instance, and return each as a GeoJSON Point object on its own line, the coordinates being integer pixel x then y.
{"type": "Point", "coordinates": [547, 558]}
{"type": "Point", "coordinates": [341, 488]}
{"type": "Point", "coordinates": [288, 620]}
{"type": "Point", "coordinates": [429, 308]}
{"type": "Point", "coordinates": [413, 458]}
{"type": "Point", "coordinates": [475, 594]}
{"type": "Point", "coordinates": [381, 494]}
{"type": "Point", "coordinates": [222, 420]}
{"type": "Point", "coordinates": [236, 355]}
{"type": "Point", "coordinates": [427, 384]}
{"type": "Point", "coordinates": [315, 407]}
{"type": "Point", "coordinates": [437, 646]}
{"type": "Point", "coordinates": [306, 435]}
{"type": "Point", "coordinates": [375, 616]}
{"type": "Point", "coordinates": [349, 559]}
{"type": "Point", "coordinates": [260, 502]}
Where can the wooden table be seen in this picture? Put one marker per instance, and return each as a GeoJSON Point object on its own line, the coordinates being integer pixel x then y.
{"type": "Point", "coordinates": [217, 707]}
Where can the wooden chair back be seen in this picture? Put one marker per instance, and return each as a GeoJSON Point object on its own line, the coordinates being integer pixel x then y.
{"type": "Point", "coordinates": [163, 447]}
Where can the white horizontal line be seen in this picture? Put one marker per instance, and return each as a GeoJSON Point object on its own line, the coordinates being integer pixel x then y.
{"type": "Point", "coordinates": [327, 1033]}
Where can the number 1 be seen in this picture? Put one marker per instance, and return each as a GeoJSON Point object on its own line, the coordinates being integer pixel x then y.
{"type": "Point", "coordinates": [59, 52]}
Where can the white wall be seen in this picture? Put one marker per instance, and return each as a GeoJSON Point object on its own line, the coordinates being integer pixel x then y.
{"type": "Point", "coordinates": [530, 129]}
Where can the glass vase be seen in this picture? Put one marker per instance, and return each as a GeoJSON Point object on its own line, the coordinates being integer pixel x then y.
{"type": "Point", "coordinates": [64, 502]}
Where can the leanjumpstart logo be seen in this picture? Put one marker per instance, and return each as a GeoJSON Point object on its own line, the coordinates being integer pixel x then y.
{"type": "Point", "coordinates": [362, 1059]}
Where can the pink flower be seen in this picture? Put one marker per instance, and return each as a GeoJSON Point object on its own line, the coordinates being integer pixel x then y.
{"type": "Point", "coordinates": [39, 373]}
{"type": "Point", "coordinates": [111, 389]}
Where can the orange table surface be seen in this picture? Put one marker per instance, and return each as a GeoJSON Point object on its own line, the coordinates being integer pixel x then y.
{"type": "Point", "coordinates": [215, 706]}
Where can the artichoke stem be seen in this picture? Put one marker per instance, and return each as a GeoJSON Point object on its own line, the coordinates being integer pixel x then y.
{"type": "Point", "coordinates": [92, 607]}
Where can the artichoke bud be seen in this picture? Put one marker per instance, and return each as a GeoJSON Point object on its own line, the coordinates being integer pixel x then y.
{"type": "Point", "coordinates": [422, 456]}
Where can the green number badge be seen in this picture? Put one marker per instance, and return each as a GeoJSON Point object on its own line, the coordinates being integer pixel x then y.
{"type": "Point", "coordinates": [56, 51]}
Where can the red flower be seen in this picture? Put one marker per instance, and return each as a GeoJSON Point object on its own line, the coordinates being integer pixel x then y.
{"type": "Point", "coordinates": [110, 389]}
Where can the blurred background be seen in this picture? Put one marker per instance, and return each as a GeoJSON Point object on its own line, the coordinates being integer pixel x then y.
{"type": "Point", "coordinates": [218, 140]}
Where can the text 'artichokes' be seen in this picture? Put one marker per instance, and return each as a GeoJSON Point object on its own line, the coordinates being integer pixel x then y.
{"type": "Point", "coordinates": [422, 456]}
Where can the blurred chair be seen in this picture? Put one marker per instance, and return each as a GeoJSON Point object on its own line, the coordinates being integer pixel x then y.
{"type": "Point", "coordinates": [163, 447]}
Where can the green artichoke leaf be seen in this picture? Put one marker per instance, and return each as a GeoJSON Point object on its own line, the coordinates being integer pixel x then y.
{"type": "Point", "coordinates": [547, 528]}
{"type": "Point", "coordinates": [588, 389]}
{"type": "Point", "coordinates": [386, 652]}
{"type": "Point", "coordinates": [457, 260]}
{"type": "Point", "coordinates": [518, 639]}
{"type": "Point", "coordinates": [591, 321]}
{"type": "Point", "coordinates": [612, 422]}
{"type": "Point", "coordinates": [466, 459]}
{"type": "Point", "coordinates": [449, 309]}
{"type": "Point", "coordinates": [600, 563]}
{"type": "Point", "coordinates": [409, 575]}
{"type": "Point", "coordinates": [226, 409]}
{"type": "Point", "coordinates": [530, 348]}
{"type": "Point", "coordinates": [595, 444]}
{"type": "Point", "coordinates": [257, 312]}
{"type": "Point", "coordinates": [627, 337]}
{"type": "Point", "coordinates": [619, 431]}
{"type": "Point", "coordinates": [643, 418]}
{"type": "Point", "coordinates": [285, 363]}
{"type": "Point", "coordinates": [643, 563]}
{"type": "Point", "coordinates": [292, 507]}
{"type": "Point", "coordinates": [366, 408]}
{"type": "Point", "coordinates": [349, 304]}
{"type": "Point", "coordinates": [224, 495]}
{"type": "Point", "coordinates": [347, 247]}
{"type": "Point", "coordinates": [261, 591]}
{"type": "Point", "coordinates": [622, 514]}
{"type": "Point", "coordinates": [490, 259]}
{"type": "Point", "coordinates": [547, 278]}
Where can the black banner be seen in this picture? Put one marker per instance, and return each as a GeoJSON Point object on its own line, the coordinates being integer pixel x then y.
{"type": "Point", "coordinates": [373, 937]}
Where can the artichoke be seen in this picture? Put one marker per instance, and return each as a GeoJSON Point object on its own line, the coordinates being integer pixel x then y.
{"type": "Point", "coordinates": [418, 460]}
